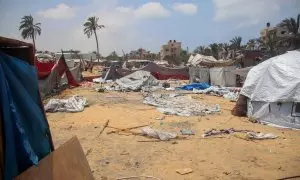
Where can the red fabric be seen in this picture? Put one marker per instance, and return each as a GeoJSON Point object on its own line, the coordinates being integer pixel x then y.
{"type": "Point", "coordinates": [60, 68]}
{"type": "Point", "coordinates": [43, 69]}
{"type": "Point", "coordinates": [160, 76]}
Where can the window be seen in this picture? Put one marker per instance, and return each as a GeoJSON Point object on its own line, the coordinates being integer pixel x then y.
{"type": "Point", "coordinates": [297, 108]}
{"type": "Point", "coordinates": [282, 32]}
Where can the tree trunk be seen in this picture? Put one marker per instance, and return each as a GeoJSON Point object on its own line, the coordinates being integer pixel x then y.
{"type": "Point", "coordinates": [33, 44]}
{"type": "Point", "coordinates": [97, 45]}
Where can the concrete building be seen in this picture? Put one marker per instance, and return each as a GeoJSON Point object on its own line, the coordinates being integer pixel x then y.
{"type": "Point", "coordinates": [172, 49]}
{"type": "Point", "coordinates": [280, 32]}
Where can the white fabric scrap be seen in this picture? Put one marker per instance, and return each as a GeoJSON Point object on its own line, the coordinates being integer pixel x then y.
{"type": "Point", "coordinates": [162, 135]}
{"type": "Point", "coordinates": [260, 136]}
{"type": "Point", "coordinates": [73, 104]}
{"type": "Point", "coordinates": [179, 105]}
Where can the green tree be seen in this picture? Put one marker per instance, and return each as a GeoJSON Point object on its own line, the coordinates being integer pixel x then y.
{"type": "Point", "coordinates": [203, 50]}
{"type": "Point", "coordinates": [236, 42]}
{"type": "Point", "coordinates": [113, 56]}
{"type": "Point", "coordinates": [90, 27]}
{"type": "Point", "coordinates": [29, 29]}
{"type": "Point", "coordinates": [251, 44]}
{"type": "Point", "coordinates": [214, 50]}
{"type": "Point", "coordinates": [270, 43]}
{"type": "Point", "coordinates": [293, 27]}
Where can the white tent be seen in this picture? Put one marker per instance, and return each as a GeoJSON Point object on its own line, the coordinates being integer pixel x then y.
{"type": "Point", "coordinates": [222, 76]}
{"type": "Point", "coordinates": [273, 89]}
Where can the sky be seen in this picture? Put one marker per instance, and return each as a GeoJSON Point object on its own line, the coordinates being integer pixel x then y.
{"type": "Point", "coordinates": [133, 24]}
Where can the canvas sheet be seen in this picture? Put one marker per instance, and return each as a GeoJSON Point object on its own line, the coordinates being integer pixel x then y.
{"type": "Point", "coordinates": [222, 76]}
{"type": "Point", "coordinates": [275, 80]}
{"type": "Point", "coordinates": [136, 81]}
{"type": "Point", "coordinates": [199, 74]}
{"type": "Point", "coordinates": [26, 131]}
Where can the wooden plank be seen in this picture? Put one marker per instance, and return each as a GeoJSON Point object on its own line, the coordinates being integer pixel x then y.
{"type": "Point", "coordinates": [66, 162]}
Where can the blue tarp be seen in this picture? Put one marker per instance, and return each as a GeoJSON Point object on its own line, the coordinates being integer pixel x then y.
{"type": "Point", "coordinates": [25, 128]}
{"type": "Point", "coordinates": [199, 86]}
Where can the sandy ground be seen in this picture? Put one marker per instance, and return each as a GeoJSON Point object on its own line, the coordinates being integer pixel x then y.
{"type": "Point", "coordinates": [113, 156]}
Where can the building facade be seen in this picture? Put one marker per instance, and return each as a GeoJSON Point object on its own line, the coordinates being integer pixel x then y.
{"type": "Point", "coordinates": [170, 50]}
{"type": "Point", "coordinates": [142, 54]}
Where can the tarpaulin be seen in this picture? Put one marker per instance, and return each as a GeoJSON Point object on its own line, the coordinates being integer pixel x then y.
{"type": "Point", "coordinates": [199, 86]}
{"type": "Point", "coordinates": [44, 69]}
{"type": "Point", "coordinates": [26, 132]}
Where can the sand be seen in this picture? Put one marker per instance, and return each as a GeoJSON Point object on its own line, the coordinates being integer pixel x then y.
{"type": "Point", "coordinates": [117, 155]}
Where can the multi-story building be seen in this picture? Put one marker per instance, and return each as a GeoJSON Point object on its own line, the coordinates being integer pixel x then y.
{"type": "Point", "coordinates": [279, 31]}
{"type": "Point", "coordinates": [171, 50]}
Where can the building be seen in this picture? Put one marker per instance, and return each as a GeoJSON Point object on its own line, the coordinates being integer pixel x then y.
{"type": "Point", "coordinates": [280, 32]}
{"type": "Point", "coordinates": [142, 54]}
{"type": "Point", "coordinates": [172, 49]}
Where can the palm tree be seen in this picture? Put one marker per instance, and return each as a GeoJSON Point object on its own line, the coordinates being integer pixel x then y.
{"type": "Point", "coordinates": [29, 29]}
{"type": "Point", "coordinates": [236, 42]}
{"type": "Point", "coordinates": [214, 50]}
{"type": "Point", "coordinates": [293, 27]}
{"type": "Point", "coordinates": [270, 43]}
{"type": "Point", "coordinates": [90, 28]}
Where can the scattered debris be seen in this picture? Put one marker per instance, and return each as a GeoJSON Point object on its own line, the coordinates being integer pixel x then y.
{"type": "Point", "coordinates": [118, 130]}
{"type": "Point", "coordinates": [184, 171]}
{"type": "Point", "coordinates": [124, 153]}
{"type": "Point", "coordinates": [213, 132]}
{"type": "Point", "coordinates": [260, 136]}
{"type": "Point", "coordinates": [187, 132]}
{"type": "Point", "coordinates": [73, 104]}
{"type": "Point", "coordinates": [160, 118]}
{"type": "Point", "coordinates": [232, 96]}
{"type": "Point", "coordinates": [88, 152]}
{"type": "Point", "coordinates": [104, 126]}
{"type": "Point", "coordinates": [162, 135]}
{"type": "Point", "coordinates": [179, 104]}
{"type": "Point", "coordinates": [166, 85]}
{"type": "Point", "coordinates": [244, 134]}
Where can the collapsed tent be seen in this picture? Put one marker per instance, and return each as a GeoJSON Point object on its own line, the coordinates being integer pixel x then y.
{"type": "Point", "coordinates": [159, 72]}
{"type": "Point", "coordinates": [136, 81]}
{"type": "Point", "coordinates": [24, 130]}
{"type": "Point", "coordinates": [208, 61]}
{"type": "Point", "coordinates": [273, 90]}
{"type": "Point", "coordinates": [57, 76]}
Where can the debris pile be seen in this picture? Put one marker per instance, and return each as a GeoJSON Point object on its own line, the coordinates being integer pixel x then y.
{"type": "Point", "coordinates": [73, 104]}
{"type": "Point", "coordinates": [179, 105]}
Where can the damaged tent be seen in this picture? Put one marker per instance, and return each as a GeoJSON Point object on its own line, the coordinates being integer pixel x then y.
{"type": "Point", "coordinates": [136, 81]}
{"type": "Point", "coordinates": [25, 136]}
{"type": "Point", "coordinates": [59, 74]}
{"type": "Point", "coordinates": [159, 72]}
{"type": "Point", "coordinates": [273, 90]}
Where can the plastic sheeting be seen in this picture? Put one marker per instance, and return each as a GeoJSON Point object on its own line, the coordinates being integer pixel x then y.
{"type": "Point", "coordinates": [25, 129]}
{"type": "Point", "coordinates": [199, 86]}
{"type": "Point", "coordinates": [72, 104]}
{"type": "Point", "coordinates": [199, 74]}
{"type": "Point", "coordinates": [222, 76]}
{"type": "Point", "coordinates": [179, 105]}
{"type": "Point", "coordinates": [275, 80]}
{"type": "Point", "coordinates": [136, 81]}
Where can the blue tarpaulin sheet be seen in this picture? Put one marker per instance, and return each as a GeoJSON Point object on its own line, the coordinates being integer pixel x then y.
{"type": "Point", "coordinates": [199, 86]}
{"type": "Point", "coordinates": [25, 128]}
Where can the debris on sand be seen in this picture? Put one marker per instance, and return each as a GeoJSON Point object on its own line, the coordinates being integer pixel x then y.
{"type": "Point", "coordinates": [179, 105]}
{"type": "Point", "coordinates": [162, 135]}
{"type": "Point", "coordinates": [73, 104]}
{"type": "Point", "coordinates": [184, 171]}
{"type": "Point", "coordinates": [246, 134]}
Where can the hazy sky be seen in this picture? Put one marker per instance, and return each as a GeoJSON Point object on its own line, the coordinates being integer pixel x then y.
{"type": "Point", "coordinates": [131, 24]}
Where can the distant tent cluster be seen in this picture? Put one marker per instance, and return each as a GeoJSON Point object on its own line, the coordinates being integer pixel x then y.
{"type": "Point", "coordinates": [159, 72]}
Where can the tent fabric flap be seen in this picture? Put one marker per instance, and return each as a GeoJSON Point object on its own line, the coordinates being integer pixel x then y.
{"type": "Point", "coordinates": [26, 131]}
